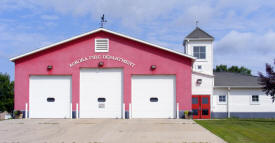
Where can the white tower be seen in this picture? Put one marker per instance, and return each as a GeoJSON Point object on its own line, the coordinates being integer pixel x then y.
{"type": "Point", "coordinates": [200, 45]}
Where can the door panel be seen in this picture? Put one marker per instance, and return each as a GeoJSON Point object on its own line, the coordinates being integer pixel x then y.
{"type": "Point", "coordinates": [153, 96]}
{"type": "Point", "coordinates": [205, 107]}
{"type": "Point", "coordinates": [50, 97]}
{"type": "Point", "coordinates": [101, 93]}
{"type": "Point", "coordinates": [196, 106]}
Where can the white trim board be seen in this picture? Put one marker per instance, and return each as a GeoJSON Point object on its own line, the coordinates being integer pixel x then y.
{"type": "Point", "coordinates": [238, 87]}
{"type": "Point", "coordinates": [200, 73]}
{"type": "Point", "coordinates": [105, 30]}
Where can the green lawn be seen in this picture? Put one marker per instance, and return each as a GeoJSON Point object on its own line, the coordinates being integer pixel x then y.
{"type": "Point", "coordinates": [242, 130]}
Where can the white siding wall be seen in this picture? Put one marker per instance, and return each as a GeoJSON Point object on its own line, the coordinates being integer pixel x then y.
{"type": "Point", "coordinates": [207, 64]}
{"type": "Point", "coordinates": [240, 101]}
{"type": "Point", "coordinates": [205, 88]}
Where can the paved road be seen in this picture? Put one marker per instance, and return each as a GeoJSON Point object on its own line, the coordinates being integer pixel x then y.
{"type": "Point", "coordinates": [104, 131]}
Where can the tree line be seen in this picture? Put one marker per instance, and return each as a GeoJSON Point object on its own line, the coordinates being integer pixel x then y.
{"type": "Point", "coordinates": [235, 69]}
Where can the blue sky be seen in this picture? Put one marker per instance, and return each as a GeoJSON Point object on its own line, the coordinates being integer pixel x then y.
{"type": "Point", "coordinates": [244, 30]}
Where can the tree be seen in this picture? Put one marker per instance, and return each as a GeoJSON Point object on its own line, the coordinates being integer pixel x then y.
{"type": "Point", "coordinates": [6, 93]}
{"type": "Point", "coordinates": [268, 80]}
{"type": "Point", "coordinates": [221, 68]}
{"type": "Point", "coordinates": [235, 69]}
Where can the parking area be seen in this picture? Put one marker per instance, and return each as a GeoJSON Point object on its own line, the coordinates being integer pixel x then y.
{"type": "Point", "coordinates": [105, 131]}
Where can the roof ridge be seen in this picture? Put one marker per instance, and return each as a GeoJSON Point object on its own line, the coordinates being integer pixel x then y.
{"type": "Point", "coordinates": [235, 73]}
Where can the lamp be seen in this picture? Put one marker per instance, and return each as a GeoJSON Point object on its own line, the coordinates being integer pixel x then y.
{"type": "Point", "coordinates": [49, 67]}
{"type": "Point", "coordinates": [100, 64]}
{"type": "Point", "coordinates": [199, 81]}
{"type": "Point", "coordinates": [153, 67]}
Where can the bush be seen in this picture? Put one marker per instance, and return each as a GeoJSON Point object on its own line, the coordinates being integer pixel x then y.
{"type": "Point", "coordinates": [17, 112]}
{"type": "Point", "coordinates": [187, 114]}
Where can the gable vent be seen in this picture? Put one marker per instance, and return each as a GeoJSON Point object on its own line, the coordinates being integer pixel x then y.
{"type": "Point", "coordinates": [101, 45]}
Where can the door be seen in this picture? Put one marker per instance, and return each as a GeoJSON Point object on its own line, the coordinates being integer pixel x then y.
{"type": "Point", "coordinates": [101, 93]}
{"type": "Point", "coordinates": [50, 97]}
{"type": "Point", "coordinates": [196, 106]}
{"type": "Point", "coordinates": [201, 106]}
{"type": "Point", "coordinates": [153, 96]}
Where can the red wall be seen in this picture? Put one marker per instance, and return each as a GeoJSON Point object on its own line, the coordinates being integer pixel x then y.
{"type": "Point", "coordinates": [142, 55]}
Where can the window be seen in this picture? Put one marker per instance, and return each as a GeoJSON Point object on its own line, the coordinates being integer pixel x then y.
{"type": "Point", "coordinates": [195, 100]}
{"type": "Point", "coordinates": [205, 112]}
{"type": "Point", "coordinates": [255, 99]}
{"type": "Point", "coordinates": [204, 100]}
{"type": "Point", "coordinates": [195, 112]}
{"type": "Point", "coordinates": [222, 99]}
{"type": "Point", "coordinates": [199, 67]}
{"type": "Point", "coordinates": [101, 99]}
{"type": "Point", "coordinates": [199, 52]}
{"type": "Point", "coordinates": [50, 99]}
{"type": "Point", "coordinates": [154, 99]}
{"type": "Point", "coordinates": [101, 45]}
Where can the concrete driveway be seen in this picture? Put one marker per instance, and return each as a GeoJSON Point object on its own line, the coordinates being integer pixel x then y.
{"type": "Point", "coordinates": [105, 131]}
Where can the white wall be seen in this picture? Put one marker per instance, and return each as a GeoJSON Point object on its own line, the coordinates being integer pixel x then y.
{"type": "Point", "coordinates": [205, 88]}
{"type": "Point", "coordinates": [207, 64]}
{"type": "Point", "coordinates": [240, 101]}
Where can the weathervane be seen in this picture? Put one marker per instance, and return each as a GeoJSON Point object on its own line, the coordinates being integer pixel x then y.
{"type": "Point", "coordinates": [102, 21]}
{"type": "Point", "coordinates": [197, 21]}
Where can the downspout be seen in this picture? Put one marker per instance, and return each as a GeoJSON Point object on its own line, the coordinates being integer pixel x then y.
{"type": "Point", "coordinates": [228, 94]}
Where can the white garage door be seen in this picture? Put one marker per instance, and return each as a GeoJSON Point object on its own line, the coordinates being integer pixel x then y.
{"type": "Point", "coordinates": [100, 93]}
{"type": "Point", "coordinates": [50, 97]}
{"type": "Point", "coordinates": [153, 96]}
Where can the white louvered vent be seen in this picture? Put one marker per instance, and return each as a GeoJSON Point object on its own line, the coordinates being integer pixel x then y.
{"type": "Point", "coordinates": [101, 45]}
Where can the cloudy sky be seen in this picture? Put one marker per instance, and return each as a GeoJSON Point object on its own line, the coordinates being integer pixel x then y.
{"type": "Point", "coordinates": [244, 30]}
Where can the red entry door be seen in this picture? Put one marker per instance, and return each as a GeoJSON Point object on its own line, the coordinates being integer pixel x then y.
{"type": "Point", "coordinates": [201, 106]}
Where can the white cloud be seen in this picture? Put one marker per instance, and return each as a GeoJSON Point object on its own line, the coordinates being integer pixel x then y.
{"type": "Point", "coordinates": [222, 15]}
{"type": "Point", "coordinates": [245, 49]}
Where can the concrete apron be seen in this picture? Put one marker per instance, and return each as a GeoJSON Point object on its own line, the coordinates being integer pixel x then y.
{"type": "Point", "coordinates": [105, 131]}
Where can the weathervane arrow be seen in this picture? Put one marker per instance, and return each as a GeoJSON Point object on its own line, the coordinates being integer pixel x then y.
{"type": "Point", "coordinates": [102, 21]}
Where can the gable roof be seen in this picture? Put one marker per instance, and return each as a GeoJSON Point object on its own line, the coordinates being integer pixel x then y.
{"type": "Point", "coordinates": [104, 30]}
{"type": "Point", "coordinates": [229, 79]}
{"type": "Point", "coordinates": [199, 34]}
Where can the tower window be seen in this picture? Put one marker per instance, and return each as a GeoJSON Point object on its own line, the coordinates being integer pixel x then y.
{"type": "Point", "coordinates": [199, 67]}
{"type": "Point", "coordinates": [199, 52]}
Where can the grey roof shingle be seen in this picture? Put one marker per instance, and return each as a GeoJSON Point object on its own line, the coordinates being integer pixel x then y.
{"type": "Point", "coordinates": [235, 79]}
{"type": "Point", "coordinates": [199, 33]}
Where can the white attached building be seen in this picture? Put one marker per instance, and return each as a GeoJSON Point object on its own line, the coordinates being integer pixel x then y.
{"type": "Point", "coordinates": [230, 94]}
{"type": "Point", "coordinates": [237, 95]}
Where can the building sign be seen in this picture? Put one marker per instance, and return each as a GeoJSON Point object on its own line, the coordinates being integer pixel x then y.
{"type": "Point", "coordinates": [104, 57]}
